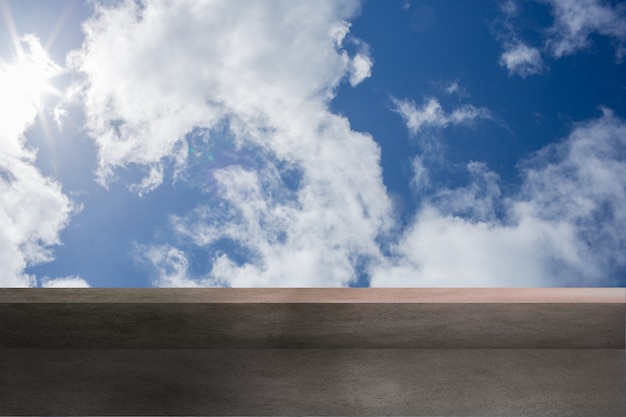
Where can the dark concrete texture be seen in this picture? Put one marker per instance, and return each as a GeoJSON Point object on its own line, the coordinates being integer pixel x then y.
{"type": "Point", "coordinates": [336, 326]}
{"type": "Point", "coordinates": [313, 352]}
{"type": "Point", "coordinates": [322, 382]}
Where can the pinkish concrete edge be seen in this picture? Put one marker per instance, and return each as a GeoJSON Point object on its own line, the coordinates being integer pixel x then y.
{"type": "Point", "coordinates": [313, 295]}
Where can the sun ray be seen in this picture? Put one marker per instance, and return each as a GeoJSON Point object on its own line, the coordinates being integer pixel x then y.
{"type": "Point", "coordinates": [5, 7]}
{"type": "Point", "coordinates": [67, 12]}
{"type": "Point", "coordinates": [32, 69]}
{"type": "Point", "coordinates": [25, 81]}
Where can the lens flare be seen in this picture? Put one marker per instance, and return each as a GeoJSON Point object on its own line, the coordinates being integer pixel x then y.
{"type": "Point", "coordinates": [29, 76]}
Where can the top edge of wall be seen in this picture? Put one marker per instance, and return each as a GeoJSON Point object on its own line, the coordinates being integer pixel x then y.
{"type": "Point", "coordinates": [312, 295]}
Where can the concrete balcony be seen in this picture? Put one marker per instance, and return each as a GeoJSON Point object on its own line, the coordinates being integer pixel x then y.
{"type": "Point", "coordinates": [313, 352]}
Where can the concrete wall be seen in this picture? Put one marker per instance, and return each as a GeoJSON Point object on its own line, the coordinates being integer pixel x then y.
{"type": "Point", "coordinates": [323, 352]}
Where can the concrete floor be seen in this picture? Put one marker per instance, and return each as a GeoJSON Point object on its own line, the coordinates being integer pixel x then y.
{"type": "Point", "coordinates": [317, 326]}
{"type": "Point", "coordinates": [320, 382]}
{"type": "Point", "coordinates": [244, 353]}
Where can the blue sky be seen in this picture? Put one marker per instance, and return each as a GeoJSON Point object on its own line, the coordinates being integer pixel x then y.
{"type": "Point", "coordinates": [313, 144]}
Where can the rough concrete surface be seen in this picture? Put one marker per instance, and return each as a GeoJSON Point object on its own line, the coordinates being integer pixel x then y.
{"type": "Point", "coordinates": [273, 352]}
{"type": "Point", "coordinates": [322, 382]}
{"type": "Point", "coordinates": [334, 326]}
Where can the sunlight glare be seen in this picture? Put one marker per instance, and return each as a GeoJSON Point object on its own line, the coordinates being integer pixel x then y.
{"type": "Point", "coordinates": [24, 81]}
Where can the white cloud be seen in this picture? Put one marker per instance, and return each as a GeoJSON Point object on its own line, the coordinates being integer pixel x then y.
{"type": "Point", "coordinates": [432, 115]}
{"type": "Point", "coordinates": [64, 282]}
{"type": "Point", "coordinates": [509, 7]}
{"type": "Point", "coordinates": [33, 209]}
{"type": "Point", "coordinates": [517, 57]}
{"type": "Point", "coordinates": [576, 20]}
{"type": "Point", "coordinates": [171, 266]}
{"type": "Point", "coordinates": [360, 69]}
{"type": "Point", "coordinates": [149, 182]}
{"type": "Point", "coordinates": [565, 227]}
{"type": "Point", "coordinates": [521, 59]}
{"type": "Point", "coordinates": [307, 206]}
{"type": "Point", "coordinates": [453, 88]}
{"type": "Point", "coordinates": [155, 70]}
{"type": "Point", "coordinates": [312, 241]}
{"type": "Point", "coordinates": [59, 114]}
{"type": "Point", "coordinates": [446, 251]}
{"type": "Point", "coordinates": [260, 75]}
{"type": "Point", "coordinates": [421, 177]}
{"type": "Point", "coordinates": [477, 201]}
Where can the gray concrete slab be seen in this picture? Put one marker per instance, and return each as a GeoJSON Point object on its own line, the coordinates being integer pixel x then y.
{"type": "Point", "coordinates": [285, 352]}
{"type": "Point", "coordinates": [321, 382]}
{"type": "Point", "coordinates": [314, 325]}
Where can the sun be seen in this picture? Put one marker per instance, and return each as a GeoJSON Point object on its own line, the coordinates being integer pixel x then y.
{"type": "Point", "coordinates": [24, 81]}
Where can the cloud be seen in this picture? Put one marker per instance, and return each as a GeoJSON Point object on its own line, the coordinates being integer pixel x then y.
{"type": "Point", "coordinates": [64, 282]}
{"type": "Point", "coordinates": [455, 88]}
{"type": "Point", "coordinates": [509, 7]}
{"type": "Point", "coordinates": [566, 226]}
{"type": "Point", "coordinates": [360, 69]}
{"type": "Point", "coordinates": [574, 21]}
{"type": "Point", "coordinates": [421, 177]}
{"type": "Point", "coordinates": [149, 182]}
{"type": "Point", "coordinates": [521, 60]}
{"type": "Point", "coordinates": [517, 57]}
{"type": "Point", "coordinates": [154, 70]}
{"type": "Point", "coordinates": [432, 115]}
{"type": "Point", "coordinates": [294, 196]}
{"type": "Point", "coordinates": [33, 208]}
{"type": "Point", "coordinates": [452, 88]}
{"type": "Point", "coordinates": [313, 240]}
{"type": "Point", "coordinates": [478, 201]}
{"type": "Point", "coordinates": [171, 266]}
